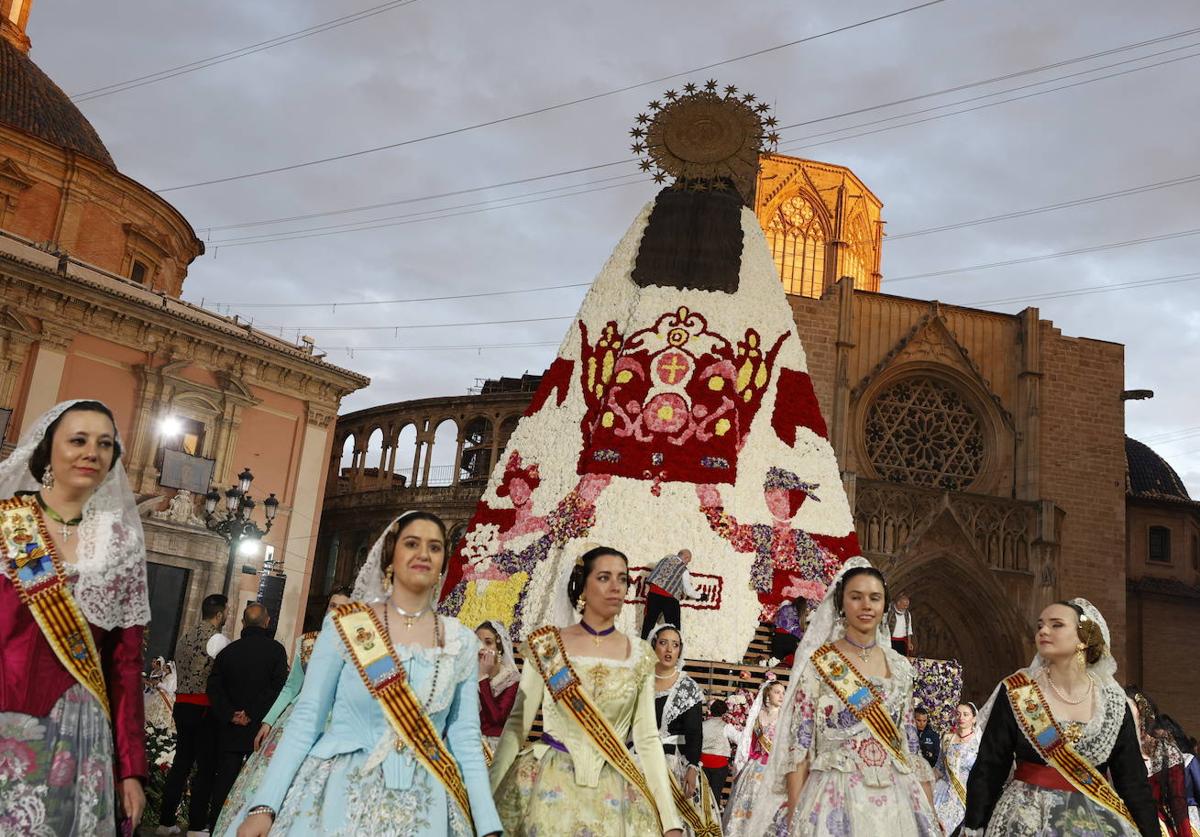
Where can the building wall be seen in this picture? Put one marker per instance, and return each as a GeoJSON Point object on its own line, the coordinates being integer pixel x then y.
{"type": "Point", "coordinates": [1082, 465]}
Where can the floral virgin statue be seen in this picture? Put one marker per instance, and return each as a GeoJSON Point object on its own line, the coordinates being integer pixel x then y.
{"type": "Point", "coordinates": [680, 395]}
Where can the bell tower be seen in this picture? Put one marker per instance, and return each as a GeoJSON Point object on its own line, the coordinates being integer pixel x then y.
{"type": "Point", "coordinates": [14, 15]}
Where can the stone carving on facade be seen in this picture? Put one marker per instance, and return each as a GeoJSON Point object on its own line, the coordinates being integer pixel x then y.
{"type": "Point", "coordinates": [181, 509]}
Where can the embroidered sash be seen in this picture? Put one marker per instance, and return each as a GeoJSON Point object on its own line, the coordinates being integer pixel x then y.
{"type": "Point", "coordinates": [955, 782]}
{"type": "Point", "coordinates": [307, 642]}
{"type": "Point", "coordinates": [37, 574]}
{"type": "Point", "coordinates": [761, 740]}
{"type": "Point", "coordinates": [563, 683]}
{"type": "Point", "coordinates": [707, 827]}
{"type": "Point", "coordinates": [387, 681]}
{"type": "Point", "coordinates": [861, 697]}
{"type": "Point", "coordinates": [1037, 723]}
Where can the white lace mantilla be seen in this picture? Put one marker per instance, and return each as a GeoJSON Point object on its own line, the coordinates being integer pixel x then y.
{"type": "Point", "coordinates": [110, 552]}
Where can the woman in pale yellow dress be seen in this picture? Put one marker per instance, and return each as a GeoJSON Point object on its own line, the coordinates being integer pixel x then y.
{"type": "Point", "coordinates": [564, 785]}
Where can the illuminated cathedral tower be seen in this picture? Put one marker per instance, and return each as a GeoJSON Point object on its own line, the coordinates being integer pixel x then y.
{"type": "Point", "coordinates": [822, 223]}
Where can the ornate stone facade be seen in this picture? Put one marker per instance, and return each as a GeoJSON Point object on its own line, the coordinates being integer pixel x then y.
{"type": "Point", "coordinates": [91, 267]}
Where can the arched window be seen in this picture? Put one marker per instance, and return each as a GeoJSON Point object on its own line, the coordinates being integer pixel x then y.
{"type": "Point", "coordinates": [477, 450]}
{"type": "Point", "coordinates": [797, 242]}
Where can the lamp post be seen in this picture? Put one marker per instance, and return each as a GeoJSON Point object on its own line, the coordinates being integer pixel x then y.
{"type": "Point", "coordinates": [236, 525]}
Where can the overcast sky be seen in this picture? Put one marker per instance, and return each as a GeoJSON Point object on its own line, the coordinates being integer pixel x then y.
{"type": "Point", "coordinates": [431, 66]}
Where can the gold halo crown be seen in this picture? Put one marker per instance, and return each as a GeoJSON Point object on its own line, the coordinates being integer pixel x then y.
{"type": "Point", "coordinates": [704, 138]}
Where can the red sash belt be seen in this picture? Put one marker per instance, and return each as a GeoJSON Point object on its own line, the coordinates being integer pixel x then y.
{"type": "Point", "coordinates": [712, 760]}
{"type": "Point", "coordinates": [1043, 776]}
{"type": "Point", "coordinates": [198, 700]}
{"type": "Point", "coordinates": [658, 591]}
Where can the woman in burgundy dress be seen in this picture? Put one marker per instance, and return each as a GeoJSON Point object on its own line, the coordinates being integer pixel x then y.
{"type": "Point", "coordinates": [499, 678]}
{"type": "Point", "coordinates": [73, 608]}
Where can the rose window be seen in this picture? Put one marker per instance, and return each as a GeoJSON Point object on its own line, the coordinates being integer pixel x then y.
{"type": "Point", "coordinates": [920, 431]}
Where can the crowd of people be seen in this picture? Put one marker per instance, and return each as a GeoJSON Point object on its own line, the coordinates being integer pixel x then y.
{"type": "Point", "coordinates": [395, 719]}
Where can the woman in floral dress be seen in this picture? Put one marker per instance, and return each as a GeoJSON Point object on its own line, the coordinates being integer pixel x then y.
{"type": "Point", "coordinates": [847, 756]}
{"type": "Point", "coordinates": [73, 611]}
{"type": "Point", "coordinates": [354, 775]}
{"type": "Point", "coordinates": [956, 757]}
{"type": "Point", "coordinates": [750, 761]}
{"type": "Point", "coordinates": [1071, 684]}
{"type": "Point", "coordinates": [566, 785]}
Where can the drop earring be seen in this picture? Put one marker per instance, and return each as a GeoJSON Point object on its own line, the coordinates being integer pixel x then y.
{"type": "Point", "coordinates": [48, 478]}
{"type": "Point", "coordinates": [581, 604]}
{"type": "Point", "coordinates": [1080, 660]}
{"type": "Point", "coordinates": [387, 574]}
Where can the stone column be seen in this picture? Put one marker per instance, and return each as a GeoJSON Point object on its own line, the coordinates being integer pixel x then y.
{"type": "Point", "coordinates": [49, 362]}
{"type": "Point", "coordinates": [303, 517]}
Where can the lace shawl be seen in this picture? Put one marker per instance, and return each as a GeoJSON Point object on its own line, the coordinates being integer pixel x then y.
{"type": "Point", "coordinates": [110, 553]}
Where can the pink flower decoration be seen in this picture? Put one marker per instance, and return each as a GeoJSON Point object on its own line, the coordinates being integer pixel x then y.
{"type": "Point", "coordinates": [62, 769]}
{"type": "Point", "coordinates": [804, 588]}
{"type": "Point", "coordinates": [17, 759]}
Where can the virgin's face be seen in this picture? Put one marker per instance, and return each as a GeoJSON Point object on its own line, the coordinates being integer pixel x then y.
{"type": "Point", "coordinates": [82, 449]}
{"type": "Point", "coordinates": [1057, 634]}
{"type": "Point", "coordinates": [774, 696]}
{"type": "Point", "coordinates": [966, 718]}
{"type": "Point", "coordinates": [862, 602]}
{"type": "Point", "coordinates": [606, 586]}
{"type": "Point", "coordinates": [668, 647]}
{"type": "Point", "coordinates": [418, 557]}
{"type": "Point", "coordinates": [518, 492]}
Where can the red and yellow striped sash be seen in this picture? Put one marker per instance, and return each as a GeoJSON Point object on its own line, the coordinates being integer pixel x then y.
{"type": "Point", "coordinates": [861, 697]}
{"type": "Point", "coordinates": [1043, 733]}
{"type": "Point", "coordinates": [563, 683]}
{"type": "Point", "coordinates": [706, 827]}
{"type": "Point", "coordinates": [36, 573]}
{"type": "Point", "coordinates": [387, 681]}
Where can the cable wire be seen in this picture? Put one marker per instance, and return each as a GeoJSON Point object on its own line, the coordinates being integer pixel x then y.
{"type": "Point", "coordinates": [548, 108]}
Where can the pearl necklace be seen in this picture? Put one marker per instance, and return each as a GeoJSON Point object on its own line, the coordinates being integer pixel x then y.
{"type": "Point", "coordinates": [1064, 698]}
{"type": "Point", "coordinates": [409, 618]}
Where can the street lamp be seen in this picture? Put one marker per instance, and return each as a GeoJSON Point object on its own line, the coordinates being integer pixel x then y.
{"type": "Point", "coordinates": [236, 525]}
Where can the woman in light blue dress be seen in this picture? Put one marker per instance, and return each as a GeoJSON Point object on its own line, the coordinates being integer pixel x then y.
{"type": "Point", "coordinates": [271, 731]}
{"type": "Point", "coordinates": [351, 777]}
{"type": "Point", "coordinates": [956, 757]}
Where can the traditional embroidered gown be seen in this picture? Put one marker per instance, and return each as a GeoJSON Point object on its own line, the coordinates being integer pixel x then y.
{"type": "Point", "coordinates": [856, 787]}
{"type": "Point", "coordinates": [496, 698]}
{"type": "Point", "coordinates": [1000, 807]}
{"type": "Point", "coordinates": [749, 783]}
{"type": "Point", "coordinates": [957, 757]}
{"type": "Point", "coordinates": [349, 777]}
{"type": "Point", "coordinates": [252, 772]}
{"type": "Point", "coordinates": [59, 753]}
{"type": "Point", "coordinates": [680, 714]}
{"type": "Point", "coordinates": [569, 789]}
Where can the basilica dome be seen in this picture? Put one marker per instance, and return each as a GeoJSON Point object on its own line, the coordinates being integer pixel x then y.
{"type": "Point", "coordinates": [1150, 475]}
{"type": "Point", "coordinates": [31, 102]}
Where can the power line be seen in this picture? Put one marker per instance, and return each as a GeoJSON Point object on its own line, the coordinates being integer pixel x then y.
{"type": "Point", "coordinates": [402, 201]}
{"type": "Point", "coordinates": [407, 326]}
{"type": "Point", "coordinates": [1078, 251]}
{"type": "Point", "coordinates": [290, 235]}
{"type": "Point", "coordinates": [956, 88]}
{"type": "Point", "coordinates": [352, 349]}
{"type": "Point", "coordinates": [361, 226]}
{"type": "Point", "coordinates": [792, 144]}
{"type": "Point", "coordinates": [234, 54]}
{"type": "Point", "coordinates": [432, 215]}
{"type": "Point", "coordinates": [1005, 77]}
{"type": "Point", "coordinates": [1023, 213]}
{"type": "Point", "coordinates": [1088, 290]}
{"type": "Point", "coordinates": [343, 304]}
{"type": "Point", "coordinates": [548, 108]}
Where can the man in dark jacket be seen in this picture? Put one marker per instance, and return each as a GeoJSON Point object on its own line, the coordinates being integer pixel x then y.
{"type": "Point", "coordinates": [245, 680]}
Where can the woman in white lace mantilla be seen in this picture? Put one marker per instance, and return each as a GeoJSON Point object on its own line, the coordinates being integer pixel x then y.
{"type": "Point", "coordinates": [847, 762]}
{"type": "Point", "coordinates": [754, 748]}
{"type": "Point", "coordinates": [355, 774]}
{"type": "Point", "coordinates": [71, 694]}
{"type": "Point", "coordinates": [1067, 697]}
